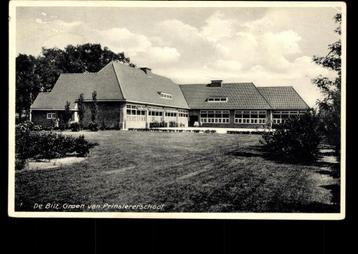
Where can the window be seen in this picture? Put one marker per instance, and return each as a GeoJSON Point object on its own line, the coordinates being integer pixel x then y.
{"type": "Point", "coordinates": [51, 116]}
{"type": "Point", "coordinates": [155, 113]}
{"type": "Point", "coordinates": [282, 116]}
{"type": "Point", "coordinates": [167, 96]}
{"type": "Point", "coordinates": [215, 116]}
{"type": "Point", "coordinates": [250, 117]}
{"type": "Point", "coordinates": [135, 112]}
{"type": "Point", "coordinates": [183, 113]}
{"type": "Point", "coordinates": [217, 99]}
{"type": "Point", "coordinates": [170, 114]}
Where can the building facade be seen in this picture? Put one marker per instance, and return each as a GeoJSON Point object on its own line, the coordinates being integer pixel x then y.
{"type": "Point", "coordinates": [136, 98]}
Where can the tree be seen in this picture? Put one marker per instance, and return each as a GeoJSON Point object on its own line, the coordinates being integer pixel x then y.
{"type": "Point", "coordinates": [81, 109]}
{"type": "Point", "coordinates": [35, 74]}
{"type": "Point", "coordinates": [27, 83]}
{"type": "Point", "coordinates": [94, 111]}
{"type": "Point", "coordinates": [67, 114]}
{"type": "Point", "coordinates": [330, 105]}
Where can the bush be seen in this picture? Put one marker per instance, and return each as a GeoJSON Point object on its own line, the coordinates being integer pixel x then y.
{"type": "Point", "coordinates": [93, 126]}
{"type": "Point", "coordinates": [103, 126]}
{"type": "Point", "coordinates": [44, 145]}
{"type": "Point", "coordinates": [75, 126]}
{"type": "Point", "coordinates": [173, 124]}
{"type": "Point", "coordinates": [156, 124]}
{"type": "Point", "coordinates": [296, 140]}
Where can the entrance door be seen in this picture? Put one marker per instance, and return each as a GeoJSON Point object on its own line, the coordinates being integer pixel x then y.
{"type": "Point", "coordinates": [192, 120]}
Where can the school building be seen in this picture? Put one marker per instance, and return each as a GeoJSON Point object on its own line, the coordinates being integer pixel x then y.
{"type": "Point", "coordinates": [136, 98]}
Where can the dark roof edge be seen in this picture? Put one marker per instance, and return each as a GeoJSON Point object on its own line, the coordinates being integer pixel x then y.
{"type": "Point", "coordinates": [258, 90]}
{"type": "Point", "coordinates": [117, 78]}
{"type": "Point", "coordinates": [300, 97]}
{"type": "Point", "coordinates": [187, 103]}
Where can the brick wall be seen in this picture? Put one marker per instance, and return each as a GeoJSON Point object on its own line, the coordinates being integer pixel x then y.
{"type": "Point", "coordinates": [39, 117]}
{"type": "Point", "coordinates": [108, 113]}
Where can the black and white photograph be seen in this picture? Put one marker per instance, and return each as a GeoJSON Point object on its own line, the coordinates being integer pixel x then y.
{"type": "Point", "coordinates": [210, 110]}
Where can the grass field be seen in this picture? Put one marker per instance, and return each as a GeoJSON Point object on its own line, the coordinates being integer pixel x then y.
{"type": "Point", "coordinates": [185, 172]}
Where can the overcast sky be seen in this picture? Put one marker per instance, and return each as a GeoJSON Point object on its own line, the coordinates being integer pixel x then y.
{"type": "Point", "coordinates": [267, 46]}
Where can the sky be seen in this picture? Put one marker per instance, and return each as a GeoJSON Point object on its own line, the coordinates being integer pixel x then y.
{"type": "Point", "coordinates": [267, 46]}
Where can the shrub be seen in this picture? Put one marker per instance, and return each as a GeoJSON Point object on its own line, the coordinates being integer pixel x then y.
{"type": "Point", "coordinates": [93, 126]}
{"type": "Point", "coordinates": [173, 124]}
{"type": "Point", "coordinates": [103, 126]}
{"type": "Point", "coordinates": [82, 146]}
{"type": "Point", "coordinates": [44, 145]}
{"type": "Point", "coordinates": [75, 126]}
{"type": "Point", "coordinates": [295, 140]}
{"type": "Point", "coordinates": [37, 128]}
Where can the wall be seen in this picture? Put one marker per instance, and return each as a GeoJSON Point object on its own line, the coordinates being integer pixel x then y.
{"type": "Point", "coordinates": [109, 114]}
{"type": "Point", "coordinates": [39, 117]}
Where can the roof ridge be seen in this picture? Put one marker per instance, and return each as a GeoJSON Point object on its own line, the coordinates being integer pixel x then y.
{"type": "Point", "coordinates": [117, 78]}
{"type": "Point", "coordinates": [258, 90]}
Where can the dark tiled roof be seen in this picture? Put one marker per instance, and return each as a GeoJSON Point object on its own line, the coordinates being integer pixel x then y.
{"type": "Point", "coordinates": [283, 97]}
{"type": "Point", "coordinates": [68, 88]}
{"type": "Point", "coordinates": [240, 96]}
{"type": "Point", "coordinates": [137, 86]}
{"type": "Point", "coordinates": [115, 81]}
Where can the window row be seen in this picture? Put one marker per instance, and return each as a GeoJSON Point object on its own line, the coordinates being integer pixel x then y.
{"type": "Point", "coordinates": [135, 110]}
{"type": "Point", "coordinates": [171, 114]}
{"type": "Point", "coordinates": [281, 116]}
{"type": "Point", "coordinates": [155, 113]}
{"type": "Point", "coordinates": [250, 117]}
{"type": "Point", "coordinates": [183, 113]}
{"type": "Point", "coordinates": [215, 116]}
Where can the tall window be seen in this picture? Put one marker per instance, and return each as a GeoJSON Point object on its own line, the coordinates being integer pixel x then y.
{"type": "Point", "coordinates": [282, 116]}
{"type": "Point", "coordinates": [215, 116]}
{"type": "Point", "coordinates": [250, 117]}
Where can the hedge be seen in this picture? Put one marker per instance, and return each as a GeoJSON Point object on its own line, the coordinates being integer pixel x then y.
{"type": "Point", "coordinates": [47, 145]}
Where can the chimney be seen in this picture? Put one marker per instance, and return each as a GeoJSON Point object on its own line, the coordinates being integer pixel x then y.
{"type": "Point", "coordinates": [216, 83]}
{"type": "Point", "coordinates": [146, 70]}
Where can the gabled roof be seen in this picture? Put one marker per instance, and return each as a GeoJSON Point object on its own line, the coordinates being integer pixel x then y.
{"type": "Point", "coordinates": [113, 82]}
{"type": "Point", "coordinates": [283, 97]}
{"type": "Point", "coordinates": [138, 86]}
{"type": "Point", "coordinates": [240, 96]}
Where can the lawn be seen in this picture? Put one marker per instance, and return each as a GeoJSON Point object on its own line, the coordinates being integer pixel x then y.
{"type": "Point", "coordinates": [181, 172]}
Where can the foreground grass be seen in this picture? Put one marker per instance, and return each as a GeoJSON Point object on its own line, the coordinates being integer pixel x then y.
{"type": "Point", "coordinates": [185, 172]}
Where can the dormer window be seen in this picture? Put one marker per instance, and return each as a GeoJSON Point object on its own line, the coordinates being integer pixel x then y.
{"type": "Point", "coordinates": [167, 96]}
{"type": "Point", "coordinates": [217, 99]}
